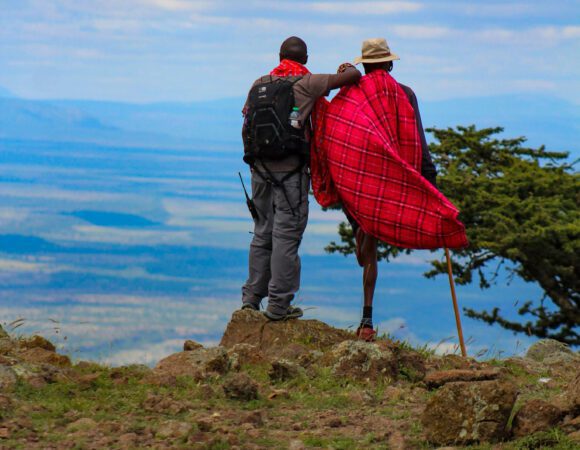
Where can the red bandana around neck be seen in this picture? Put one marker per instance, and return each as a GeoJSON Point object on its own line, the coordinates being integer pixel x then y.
{"type": "Point", "coordinates": [289, 68]}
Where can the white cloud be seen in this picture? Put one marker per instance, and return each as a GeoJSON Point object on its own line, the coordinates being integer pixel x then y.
{"type": "Point", "coordinates": [13, 265]}
{"type": "Point", "coordinates": [180, 5]}
{"type": "Point", "coordinates": [501, 10]}
{"type": "Point", "coordinates": [421, 31]}
{"type": "Point", "coordinates": [354, 8]}
{"type": "Point", "coordinates": [13, 216]}
{"type": "Point", "coordinates": [392, 326]}
{"type": "Point", "coordinates": [93, 233]}
{"type": "Point", "coordinates": [148, 354]}
{"type": "Point", "coordinates": [534, 37]}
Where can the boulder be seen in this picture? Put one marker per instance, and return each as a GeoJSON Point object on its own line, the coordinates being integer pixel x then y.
{"type": "Point", "coordinates": [198, 363]}
{"type": "Point", "coordinates": [551, 350]}
{"type": "Point", "coordinates": [447, 362]}
{"type": "Point", "coordinates": [36, 342]}
{"type": "Point", "coordinates": [570, 424]}
{"type": "Point", "coordinates": [7, 345]}
{"type": "Point", "coordinates": [271, 338]}
{"type": "Point", "coordinates": [437, 379]}
{"type": "Point", "coordinates": [515, 363]}
{"type": "Point", "coordinates": [244, 354]}
{"type": "Point", "coordinates": [411, 365]}
{"type": "Point", "coordinates": [283, 370]}
{"type": "Point", "coordinates": [294, 352]}
{"type": "Point", "coordinates": [190, 345]}
{"type": "Point", "coordinates": [467, 412]}
{"type": "Point", "coordinates": [362, 361]}
{"type": "Point", "coordinates": [38, 355]}
{"type": "Point", "coordinates": [240, 387]}
{"type": "Point", "coordinates": [535, 415]}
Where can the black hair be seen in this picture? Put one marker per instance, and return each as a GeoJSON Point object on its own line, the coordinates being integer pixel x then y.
{"type": "Point", "coordinates": [370, 67]}
{"type": "Point", "coordinates": [295, 49]}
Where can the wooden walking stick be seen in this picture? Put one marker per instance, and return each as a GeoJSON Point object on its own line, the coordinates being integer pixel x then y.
{"type": "Point", "coordinates": [455, 307]}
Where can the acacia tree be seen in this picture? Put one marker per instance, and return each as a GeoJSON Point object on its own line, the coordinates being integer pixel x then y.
{"type": "Point", "coordinates": [521, 210]}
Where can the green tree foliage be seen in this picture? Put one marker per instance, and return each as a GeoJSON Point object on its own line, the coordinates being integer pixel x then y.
{"type": "Point", "coordinates": [521, 210]}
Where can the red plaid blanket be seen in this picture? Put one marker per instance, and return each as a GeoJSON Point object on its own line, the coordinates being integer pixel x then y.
{"type": "Point", "coordinates": [366, 153]}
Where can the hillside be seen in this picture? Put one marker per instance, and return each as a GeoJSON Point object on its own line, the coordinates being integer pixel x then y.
{"type": "Point", "coordinates": [542, 119]}
{"type": "Point", "coordinates": [298, 384]}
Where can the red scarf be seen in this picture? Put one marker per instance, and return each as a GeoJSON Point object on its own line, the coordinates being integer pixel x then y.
{"type": "Point", "coordinates": [289, 68]}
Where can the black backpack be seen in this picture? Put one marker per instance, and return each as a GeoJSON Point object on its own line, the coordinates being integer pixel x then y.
{"type": "Point", "coordinates": [268, 133]}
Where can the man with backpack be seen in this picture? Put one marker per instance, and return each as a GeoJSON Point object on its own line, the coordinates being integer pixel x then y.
{"type": "Point", "coordinates": [276, 134]}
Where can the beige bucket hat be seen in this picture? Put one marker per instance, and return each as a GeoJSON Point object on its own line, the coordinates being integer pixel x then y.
{"type": "Point", "coordinates": [375, 50]}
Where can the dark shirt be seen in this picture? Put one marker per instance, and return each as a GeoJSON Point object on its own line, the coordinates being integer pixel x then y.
{"type": "Point", "coordinates": [427, 167]}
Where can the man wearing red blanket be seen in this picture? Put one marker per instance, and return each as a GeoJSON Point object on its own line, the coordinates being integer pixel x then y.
{"type": "Point", "coordinates": [280, 192]}
{"type": "Point", "coordinates": [371, 155]}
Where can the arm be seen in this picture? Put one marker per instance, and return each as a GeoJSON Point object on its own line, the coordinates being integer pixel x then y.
{"type": "Point", "coordinates": [427, 167]}
{"type": "Point", "coordinates": [346, 78]}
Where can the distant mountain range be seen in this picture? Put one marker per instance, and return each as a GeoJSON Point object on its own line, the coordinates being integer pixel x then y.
{"type": "Point", "coordinates": [542, 119]}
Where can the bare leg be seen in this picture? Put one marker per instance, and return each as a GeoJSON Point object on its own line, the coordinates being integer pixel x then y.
{"type": "Point", "coordinates": [370, 270]}
{"type": "Point", "coordinates": [367, 249]}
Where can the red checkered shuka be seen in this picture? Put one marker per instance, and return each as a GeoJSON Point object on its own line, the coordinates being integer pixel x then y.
{"type": "Point", "coordinates": [371, 148]}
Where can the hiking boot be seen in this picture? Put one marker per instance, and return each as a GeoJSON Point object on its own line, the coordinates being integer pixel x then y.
{"type": "Point", "coordinates": [251, 307]}
{"type": "Point", "coordinates": [293, 312]}
{"type": "Point", "coordinates": [366, 334]}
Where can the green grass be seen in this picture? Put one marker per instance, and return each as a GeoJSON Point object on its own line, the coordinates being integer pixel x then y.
{"type": "Point", "coordinates": [553, 439]}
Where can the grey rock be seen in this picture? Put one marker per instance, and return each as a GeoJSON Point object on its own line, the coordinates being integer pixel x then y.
{"type": "Point", "coordinates": [534, 416]}
{"type": "Point", "coordinates": [362, 360]}
{"type": "Point", "coordinates": [549, 350]}
{"type": "Point", "coordinates": [462, 413]}
{"type": "Point", "coordinates": [198, 363]}
{"type": "Point", "coordinates": [240, 387]}
{"type": "Point", "coordinates": [283, 370]}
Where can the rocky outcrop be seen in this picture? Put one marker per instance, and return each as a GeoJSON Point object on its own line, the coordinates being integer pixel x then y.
{"type": "Point", "coordinates": [190, 345]}
{"type": "Point", "coordinates": [271, 338]}
{"type": "Point", "coordinates": [198, 364]}
{"type": "Point", "coordinates": [244, 354]}
{"type": "Point", "coordinates": [361, 360]}
{"type": "Point", "coordinates": [550, 351]}
{"type": "Point", "coordinates": [240, 387]}
{"type": "Point", "coordinates": [278, 363]}
{"type": "Point", "coordinates": [36, 342]}
{"type": "Point", "coordinates": [38, 355]}
{"type": "Point", "coordinates": [464, 413]}
{"type": "Point", "coordinates": [439, 378]}
{"type": "Point", "coordinates": [284, 370]}
{"type": "Point", "coordinates": [536, 415]}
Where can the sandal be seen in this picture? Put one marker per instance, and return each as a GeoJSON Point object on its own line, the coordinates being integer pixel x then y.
{"type": "Point", "coordinates": [366, 334]}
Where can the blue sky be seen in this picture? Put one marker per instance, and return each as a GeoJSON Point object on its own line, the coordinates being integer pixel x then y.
{"type": "Point", "coordinates": [156, 50]}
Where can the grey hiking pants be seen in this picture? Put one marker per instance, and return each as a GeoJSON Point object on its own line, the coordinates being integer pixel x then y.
{"type": "Point", "coordinates": [274, 264]}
